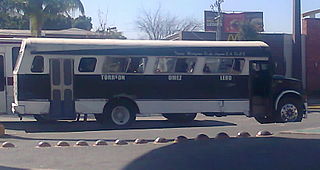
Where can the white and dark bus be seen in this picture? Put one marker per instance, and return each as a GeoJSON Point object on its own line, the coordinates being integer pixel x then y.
{"type": "Point", "coordinates": [9, 51]}
{"type": "Point", "coordinates": [118, 79]}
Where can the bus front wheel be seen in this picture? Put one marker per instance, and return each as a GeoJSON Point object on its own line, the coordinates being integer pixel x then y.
{"type": "Point", "coordinates": [180, 117]}
{"type": "Point", "coordinates": [289, 110]}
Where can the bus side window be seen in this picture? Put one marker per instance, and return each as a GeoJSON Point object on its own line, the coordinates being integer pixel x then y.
{"type": "Point", "coordinates": [223, 65]}
{"type": "Point", "coordinates": [165, 65]}
{"type": "Point", "coordinates": [185, 65]}
{"type": "Point", "coordinates": [2, 83]}
{"type": "Point", "coordinates": [87, 64]}
{"type": "Point", "coordinates": [115, 64]}
{"type": "Point", "coordinates": [37, 64]}
{"type": "Point", "coordinates": [238, 65]}
{"type": "Point", "coordinates": [15, 54]}
{"type": "Point", "coordinates": [137, 65]}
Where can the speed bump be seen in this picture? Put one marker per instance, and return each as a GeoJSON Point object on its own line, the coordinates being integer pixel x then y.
{"type": "Point", "coordinates": [62, 144]}
{"type": "Point", "coordinates": [263, 133]}
{"type": "Point", "coordinates": [202, 137]}
{"type": "Point", "coordinates": [81, 143]}
{"type": "Point", "coordinates": [160, 140]}
{"type": "Point", "coordinates": [43, 145]}
{"type": "Point", "coordinates": [222, 135]}
{"type": "Point", "coordinates": [100, 143]}
{"type": "Point", "coordinates": [243, 135]}
{"type": "Point", "coordinates": [140, 141]}
{"type": "Point", "coordinates": [7, 145]}
{"type": "Point", "coordinates": [2, 130]}
{"type": "Point", "coordinates": [181, 139]}
{"type": "Point", "coordinates": [120, 142]}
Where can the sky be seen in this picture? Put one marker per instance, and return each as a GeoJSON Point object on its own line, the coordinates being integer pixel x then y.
{"type": "Point", "coordinates": [123, 13]}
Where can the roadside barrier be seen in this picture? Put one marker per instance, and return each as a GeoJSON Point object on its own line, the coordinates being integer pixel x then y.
{"type": "Point", "coordinates": [158, 140]}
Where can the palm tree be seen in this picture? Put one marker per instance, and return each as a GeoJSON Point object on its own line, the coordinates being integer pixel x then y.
{"type": "Point", "coordinates": [38, 10]}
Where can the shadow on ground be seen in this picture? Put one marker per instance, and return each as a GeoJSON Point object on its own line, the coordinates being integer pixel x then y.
{"type": "Point", "coordinates": [63, 126]}
{"type": "Point", "coordinates": [252, 153]}
{"type": "Point", "coordinates": [9, 168]}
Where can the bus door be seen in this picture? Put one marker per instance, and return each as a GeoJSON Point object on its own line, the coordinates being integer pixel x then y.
{"type": "Point", "coordinates": [3, 99]}
{"type": "Point", "coordinates": [62, 100]}
{"type": "Point", "coordinates": [260, 88]}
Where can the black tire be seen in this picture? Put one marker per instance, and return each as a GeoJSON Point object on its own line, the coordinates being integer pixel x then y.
{"type": "Point", "coordinates": [265, 120]}
{"type": "Point", "coordinates": [180, 117]}
{"type": "Point", "coordinates": [44, 119]}
{"type": "Point", "coordinates": [289, 110]}
{"type": "Point", "coordinates": [119, 110]}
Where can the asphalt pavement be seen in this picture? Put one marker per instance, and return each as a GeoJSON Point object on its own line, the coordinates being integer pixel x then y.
{"type": "Point", "coordinates": [293, 145]}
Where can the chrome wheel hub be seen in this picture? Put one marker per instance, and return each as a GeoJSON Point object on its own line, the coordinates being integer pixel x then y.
{"type": "Point", "coordinates": [289, 112]}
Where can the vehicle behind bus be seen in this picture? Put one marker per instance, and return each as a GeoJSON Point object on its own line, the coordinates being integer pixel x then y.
{"type": "Point", "coordinates": [116, 80]}
{"type": "Point", "coordinates": [9, 51]}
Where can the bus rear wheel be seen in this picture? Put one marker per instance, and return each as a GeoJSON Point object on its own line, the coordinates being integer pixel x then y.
{"type": "Point", "coordinates": [289, 110]}
{"type": "Point", "coordinates": [119, 114]}
{"type": "Point", "coordinates": [180, 117]}
{"type": "Point", "coordinates": [265, 119]}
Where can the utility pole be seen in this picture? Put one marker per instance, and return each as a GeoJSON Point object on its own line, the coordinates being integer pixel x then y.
{"type": "Point", "coordinates": [217, 5]}
{"type": "Point", "coordinates": [296, 49]}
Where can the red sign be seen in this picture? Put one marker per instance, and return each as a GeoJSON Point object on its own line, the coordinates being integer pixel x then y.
{"type": "Point", "coordinates": [232, 22]}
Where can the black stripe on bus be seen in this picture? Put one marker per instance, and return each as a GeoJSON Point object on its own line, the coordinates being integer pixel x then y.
{"type": "Point", "coordinates": [33, 86]}
{"type": "Point", "coordinates": [168, 51]}
{"type": "Point", "coordinates": [160, 87]}
{"type": "Point", "coordinates": [141, 87]}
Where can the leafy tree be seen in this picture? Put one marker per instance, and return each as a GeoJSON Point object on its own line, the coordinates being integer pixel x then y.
{"type": "Point", "coordinates": [57, 22]}
{"type": "Point", "coordinates": [82, 22]}
{"type": "Point", "coordinates": [38, 10]}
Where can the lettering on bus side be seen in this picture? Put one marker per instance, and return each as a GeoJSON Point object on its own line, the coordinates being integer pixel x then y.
{"type": "Point", "coordinates": [225, 78]}
{"type": "Point", "coordinates": [175, 77]}
{"type": "Point", "coordinates": [112, 77]}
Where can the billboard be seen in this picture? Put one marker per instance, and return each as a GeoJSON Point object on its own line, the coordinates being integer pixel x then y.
{"type": "Point", "coordinates": [231, 22]}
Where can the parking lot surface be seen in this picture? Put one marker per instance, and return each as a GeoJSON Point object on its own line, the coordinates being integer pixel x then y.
{"type": "Point", "coordinates": [282, 150]}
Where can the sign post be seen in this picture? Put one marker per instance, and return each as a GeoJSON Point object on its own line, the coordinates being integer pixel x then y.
{"type": "Point", "coordinates": [296, 50]}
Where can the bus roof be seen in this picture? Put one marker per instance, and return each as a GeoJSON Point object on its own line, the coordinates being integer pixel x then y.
{"type": "Point", "coordinates": [10, 40]}
{"type": "Point", "coordinates": [80, 47]}
{"type": "Point", "coordinates": [145, 43]}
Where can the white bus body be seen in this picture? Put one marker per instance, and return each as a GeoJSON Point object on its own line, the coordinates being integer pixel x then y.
{"type": "Point", "coordinates": [59, 78]}
{"type": "Point", "coordinates": [9, 50]}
